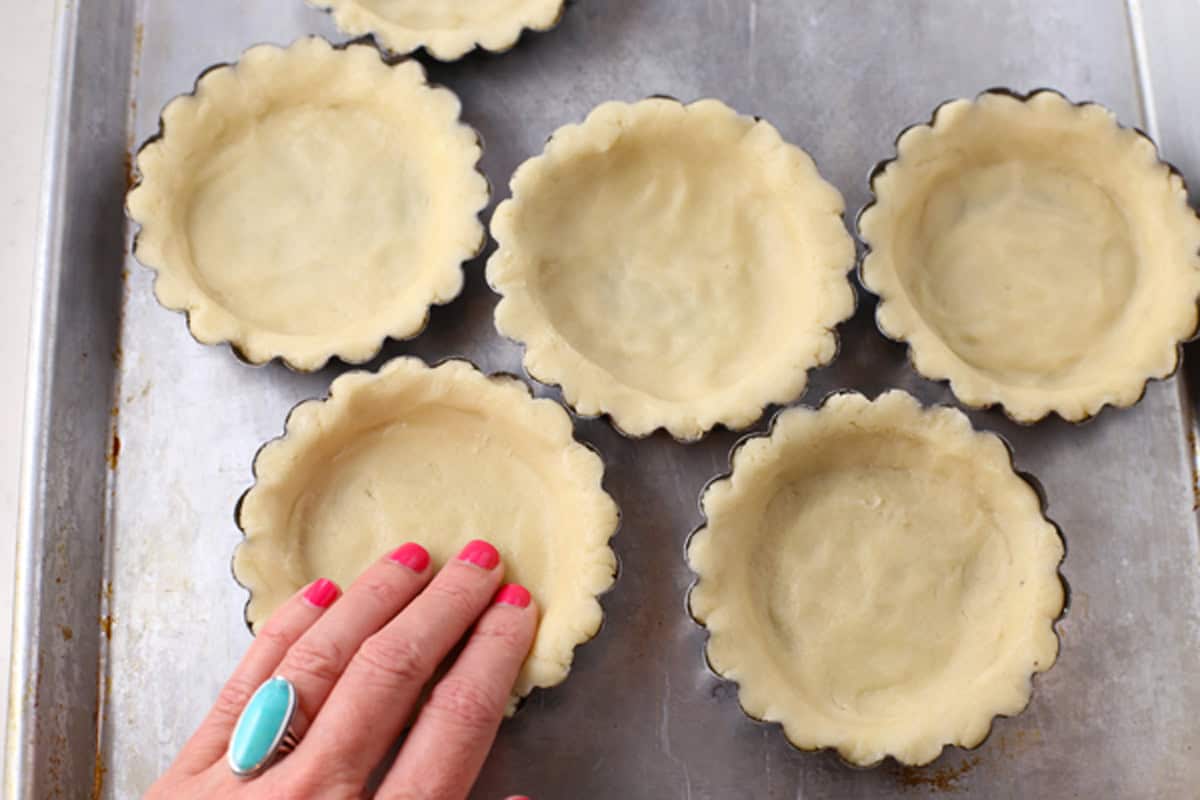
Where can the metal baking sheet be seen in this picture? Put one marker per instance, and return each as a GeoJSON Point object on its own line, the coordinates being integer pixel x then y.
{"type": "Point", "coordinates": [140, 440]}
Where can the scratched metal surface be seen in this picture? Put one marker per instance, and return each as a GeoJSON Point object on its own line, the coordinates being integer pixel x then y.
{"type": "Point", "coordinates": [128, 618]}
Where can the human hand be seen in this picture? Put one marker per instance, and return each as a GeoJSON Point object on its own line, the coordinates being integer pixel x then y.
{"type": "Point", "coordinates": [359, 663]}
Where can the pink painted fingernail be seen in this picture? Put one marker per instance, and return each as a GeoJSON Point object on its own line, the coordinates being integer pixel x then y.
{"type": "Point", "coordinates": [512, 594]}
{"type": "Point", "coordinates": [481, 554]}
{"type": "Point", "coordinates": [411, 555]}
{"type": "Point", "coordinates": [321, 593]}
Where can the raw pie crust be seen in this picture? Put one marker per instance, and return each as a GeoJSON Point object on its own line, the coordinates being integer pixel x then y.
{"type": "Point", "coordinates": [672, 266]}
{"type": "Point", "coordinates": [438, 456]}
{"type": "Point", "coordinates": [877, 578]}
{"type": "Point", "coordinates": [309, 202]}
{"type": "Point", "coordinates": [1034, 253]}
{"type": "Point", "coordinates": [447, 29]}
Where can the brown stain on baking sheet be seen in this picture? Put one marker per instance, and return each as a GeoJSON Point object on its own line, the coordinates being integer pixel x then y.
{"type": "Point", "coordinates": [98, 770]}
{"type": "Point", "coordinates": [1019, 742]}
{"type": "Point", "coordinates": [67, 633]}
{"type": "Point", "coordinates": [945, 779]}
{"type": "Point", "coordinates": [114, 451]}
{"type": "Point", "coordinates": [129, 159]}
{"type": "Point", "coordinates": [54, 764]}
{"type": "Point", "coordinates": [1193, 458]}
{"type": "Point", "coordinates": [128, 162]}
{"type": "Point", "coordinates": [103, 691]}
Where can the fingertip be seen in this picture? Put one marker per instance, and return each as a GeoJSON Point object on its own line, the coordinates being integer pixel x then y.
{"type": "Point", "coordinates": [411, 555]}
{"type": "Point", "coordinates": [481, 554]}
{"type": "Point", "coordinates": [513, 594]}
{"type": "Point", "coordinates": [321, 593]}
{"type": "Point", "coordinates": [513, 615]}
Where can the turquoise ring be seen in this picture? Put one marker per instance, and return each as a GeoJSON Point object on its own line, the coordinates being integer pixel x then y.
{"type": "Point", "coordinates": [264, 729]}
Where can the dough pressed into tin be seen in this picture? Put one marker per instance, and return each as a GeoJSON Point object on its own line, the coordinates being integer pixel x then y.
{"type": "Point", "coordinates": [447, 29]}
{"type": "Point", "coordinates": [439, 456]}
{"type": "Point", "coordinates": [309, 202]}
{"type": "Point", "coordinates": [674, 266]}
{"type": "Point", "coordinates": [1035, 254]}
{"type": "Point", "coordinates": [876, 577]}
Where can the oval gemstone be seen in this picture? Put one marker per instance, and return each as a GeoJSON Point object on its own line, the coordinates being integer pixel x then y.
{"type": "Point", "coordinates": [261, 726]}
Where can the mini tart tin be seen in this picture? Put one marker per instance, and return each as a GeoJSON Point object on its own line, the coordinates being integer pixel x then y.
{"type": "Point", "coordinates": [445, 43]}
{"type": "Point", "coordinates": [795, 675]}
{"type": "Point", "coordinates": [438, 455]}
{"type": "Point", "coordinates": [1033, 253]}
{"type": "Point", "coordinates": [382, 279]}
{"type": "Point", "coordinates": [702, 316]}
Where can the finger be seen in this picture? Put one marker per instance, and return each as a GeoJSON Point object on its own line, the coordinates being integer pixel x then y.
{"type": "Point", "coordinates": [455, 729]}
{"type": "Point", "coordinates": [315, 662]}
{"type": "Point", "coordinates": [285, 626]}
{"type": "Point", "coordinates": [371, 704]}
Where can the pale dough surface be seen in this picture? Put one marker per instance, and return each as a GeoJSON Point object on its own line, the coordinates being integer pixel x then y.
{"type": "Point", "coordinates": [672, 266]}
{"type": "Point", "coordinates": [447, 29]}
{"type": "Point", "coordinates": [439, 456]}
{"type": "Point", "coordinates": [309, 202]}
{"type": "Point", "coordinates": [1035, 254]}
{"type": "Point", "coordinates": [877, 578]}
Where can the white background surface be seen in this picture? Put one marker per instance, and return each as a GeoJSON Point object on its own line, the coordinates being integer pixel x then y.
{"type": "Point", "coordinates": [24, 74]}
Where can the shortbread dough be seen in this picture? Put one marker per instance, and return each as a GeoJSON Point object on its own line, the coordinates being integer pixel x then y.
{"type": "Point", "coordinates": [447, 29]}
{"type": "Point", "coordinates": [309, 202]}
{"type": "Point", "coordinates": [672, 266]}
{"type": "Point", "coordinates": [1035, 254]}
{"type": "Point", "coordinates": [439, 456]}
{"type": "Point", "coordinates": [878, 579]}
